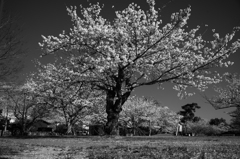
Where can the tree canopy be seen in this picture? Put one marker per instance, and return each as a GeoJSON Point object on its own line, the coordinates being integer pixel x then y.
{"type": "Point", "coordinates": [217, 121]}
{"type": "Point", "coordinates": [137, 49]}
{"type": "Point", "coordinates": [188, 112]}
{"type": "Point", "coordinates": [24, 104]}
{"type": "Point", "coordinates": [228, 96]}
{"type": "Point", "coordinates": [55, 87]}
{"type": "Point", "coordinates": [146, 112]}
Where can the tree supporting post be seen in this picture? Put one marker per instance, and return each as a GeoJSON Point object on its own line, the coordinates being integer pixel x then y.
{"type": "Point", "coordinates": [150, 130]}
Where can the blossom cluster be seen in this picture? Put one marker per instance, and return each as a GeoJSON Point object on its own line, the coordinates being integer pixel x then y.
{"type": "Point", "coordinates": [135, 50]}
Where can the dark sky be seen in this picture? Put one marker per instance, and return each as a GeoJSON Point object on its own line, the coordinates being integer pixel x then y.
{"type": "Point", "coordinates": [49, 17]}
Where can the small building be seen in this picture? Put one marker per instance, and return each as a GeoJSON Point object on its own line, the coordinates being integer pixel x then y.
{"type": "Point", "coordinates": [42, 127]}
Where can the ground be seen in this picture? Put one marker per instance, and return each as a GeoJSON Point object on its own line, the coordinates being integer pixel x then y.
{"type": "Point", "coordinates": [96, 147]}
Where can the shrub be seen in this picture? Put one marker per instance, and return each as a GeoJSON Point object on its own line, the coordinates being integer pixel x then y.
{"type": "Point", "coordinates": [61, 129]}
{"type": "Point", "coordinates": [203, 128]}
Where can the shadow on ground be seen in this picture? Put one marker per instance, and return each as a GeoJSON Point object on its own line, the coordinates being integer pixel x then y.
{"type": "Point", "coordinates": [7, 151]}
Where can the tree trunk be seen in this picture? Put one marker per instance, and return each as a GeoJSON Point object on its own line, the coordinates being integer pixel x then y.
{"type": "Point", "coordinates": [23, 131]}
{"type": "Point", "coordinates": [177, 131]}
{"type": "Point", "coordinates": [134, 127]}
{"type": "Point", "coordinates": [150, 129]}
{"type": "Point", "coordinates": [70, 129]}
{"type": "Point", "coordinates": [6, 124]}
{"type": "Point", "coordinates": [115, 98]}
{"type": "Point", "coordinates": [114, 102]}
{"type": "Point", "coordinates": [112, 123]}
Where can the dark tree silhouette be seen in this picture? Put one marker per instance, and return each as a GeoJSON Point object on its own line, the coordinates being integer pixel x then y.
{"type": "Point", "coordinates": [235, 121]}
{"type": "Point", "coordinates": [217, 121]}
{"type": "Point", "coordinates": [10, 46]}
{"type": "Point", "coordinates": [188, 112]}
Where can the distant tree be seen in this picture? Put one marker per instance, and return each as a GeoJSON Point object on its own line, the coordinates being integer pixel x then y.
{"type": "Point", "coordinates": [2, 123]}
{"type": "Point", "coordinates": [136, 50]}
{"type": "Point", "coordinates": [235, 121]}
{"type": "Point", "coordinates": [217, 121]}
{"type": "Point", "coordinates": [228, 97]}
{"type": "Point", "coordinates": [96, 114]}
{"type": "Point", "coordinates": [203, 127]}
{"type": "Point", "coordinates": [25, 105]}
{"type": "Point", "coordinates": [71, 101]}
{"type": "Point", "coordinates": [137, 110]}
{"type": "Point", "coordinates": [140, 111]}
{"type": "Point", "coordinates": [188, 112]}
{"type": "Point", "coordinates": [10, 46]}
{"type": "Point", "coordinates": [3, 114]}
{"type": "Point", "coordinates": [1, 117]}
{"type": "Point", "coordinates": [196, 119]}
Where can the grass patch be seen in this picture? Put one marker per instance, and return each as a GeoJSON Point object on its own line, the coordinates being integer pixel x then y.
{"type": "Point", "coordinates": [169, 152]}
{"type": "Point", "coordinates": [94, 147]}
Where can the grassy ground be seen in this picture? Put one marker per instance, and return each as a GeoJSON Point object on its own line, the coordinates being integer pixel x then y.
{"type": "Point", "coordinates": [94, 147]}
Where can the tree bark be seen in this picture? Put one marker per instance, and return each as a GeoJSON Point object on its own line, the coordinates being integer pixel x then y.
{"type": "Point", "coordinates": [70, 129]}
{"type": "Point", "coordinates": [150, 128]}
{"type": "Point", "coordinates": [134, 126]}
{"type": "Point", "coordinates": [23, 131]}
{"type": "Point", "coordinates": [115, 98]}
{"type": "Point", "coordinates": [112, 123]}
{"type": "Point", "coordinates": [113, 108]}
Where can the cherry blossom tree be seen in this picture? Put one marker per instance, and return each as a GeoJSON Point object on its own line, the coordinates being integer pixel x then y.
{"type": "Point", "coordinates": [137, 49]}
{"type": "Point", "coordinates": [229, 96]}
{"type": "Point", "coordinates": [25, 105]}
{"type": "Point", "coordinates": [148, 112]}
{"type": "Point", "coordinates": [97, 113]}
{"type": "Point", "coordinates": [138, 110]}
{"type": "Point", "coordinates": [72, 102]}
